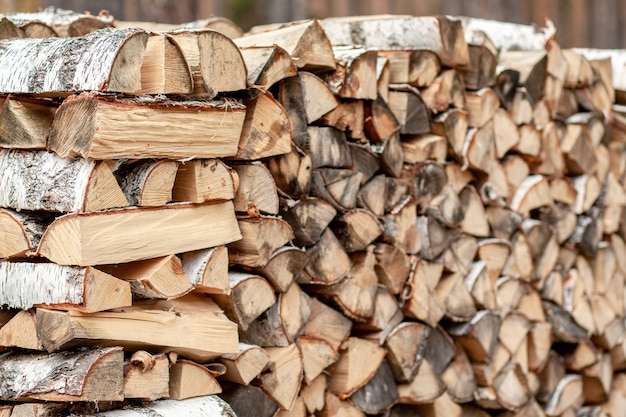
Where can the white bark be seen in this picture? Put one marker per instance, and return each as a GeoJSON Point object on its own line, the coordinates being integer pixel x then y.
{"type": "Point", "coordinates": [52, 16]}
{"type": "Point", "coordinates": [43, 181]}
{"type": "Point", "coordinates": [207, 406]}
{"type": "Point", "coordinates": [512, 36]}
{"type": "Point", "coordinates": [618, 63]}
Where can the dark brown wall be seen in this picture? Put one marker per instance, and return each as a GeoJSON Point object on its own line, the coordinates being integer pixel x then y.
{"type": "Point", "coordinates": [591, 23]}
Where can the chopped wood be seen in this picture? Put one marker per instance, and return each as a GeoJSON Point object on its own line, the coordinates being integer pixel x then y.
{"type": "Point", "coordinates": [459, 378]}
{"type": "Point", "coordinates": [419, 148]}
{"type": "Point", "coordinates": [309, 218]}
{"type": "Point", "coordinates": [282, 380]}
{"type": "Point", "coordinates": [25, 122]}
{"type": "Point", "coordinates": [481, 106]}
{"type": "Point", "coordinates": [147, 183]}
{"type": "Point", "coordinates": [355, 73]}
{"type": "Point", "coordinates": [357, 229]}
{"type": "Point", "coordinates": [267, 65]}
{"type": "Point", "coordinates": [89, 375]}
{"type": "Point", "coordinates": [21, 331]}
{"type": "Point", "coordinates": [407, 105]}
{"type": "Point", "coordinates": [483, 59]}
{"type": "Point", "coordinates": [348, 117]}
{"type": "Point", "coordinates": [317, 355]}
{"type": "Point", "coordinates": [210, 405]}
{"type": "Point", "coordinates": [203, 180]}
{"type": "Point", "coordinates": [292, 173]}
{"type": "Point", "coordinates": [256, 190]}
{"type": "Point", "coordinates": [405, 345]}
{"type": "Point", "coordinates": [453, 125]}
{"type": "Point", "coordinates": [425, 387]}
{"type": "Point", "coordinates": [328, 324]}
{"type": "Point", "coordinates": [328, 148]}
{"type": "Point", "coordinates": [379, 394]}
{"type": "Point", "coordinates": [392, 267]}
{"type": "Point", "coordinates": [164, 69]}
{"type": "Point", "coordinates": [387, 315]}
{"type": "Point", "coordinates": [245, 365]}
{"type": "Point", "coordinates": [146, 376]}
{"type": "Point", "coordinates": [113, 234]}
{"type": "Point", "coordinates": [61, 22]}
{"type": "Point", "coordinates": [333, 406]}
{"type": "Point", "coordinates": [446, 91]}
{"type": "Point", "coordinates": [70, 185]}
{"type": "Point", "coordinates": [196, 129]}
{"type": "Point", "coordinates": [260, 237]}
{"type": "Point", "coordinates": [194, 327]}
{"type": "Point", "coordinates": [162, 277]}
{"type": "Point", "coordinates": [189, 379]}
{"type": "Point", "coordinates": [417, 67]}
{"type": "Point", "coordinates": [358, 361]}
{"type": "Point", "coordinates": [22, 231]}
{"type": "Point", "coordinates": [284, 267]}
{"type": "Point", "coordinates": [207, 269]}
{"type": "Point", "coordinates": [567, 393]}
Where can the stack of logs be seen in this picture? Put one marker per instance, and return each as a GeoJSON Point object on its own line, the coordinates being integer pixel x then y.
{"type": "Point", "coordinates": [384, 215]}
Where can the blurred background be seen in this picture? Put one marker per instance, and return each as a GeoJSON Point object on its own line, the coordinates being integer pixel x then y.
{"type": "Point", "coordinates": [580, 23]}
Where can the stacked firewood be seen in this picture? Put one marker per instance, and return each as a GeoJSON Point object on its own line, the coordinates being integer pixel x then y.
{"type": "Point", "coordinates": [386, 215]}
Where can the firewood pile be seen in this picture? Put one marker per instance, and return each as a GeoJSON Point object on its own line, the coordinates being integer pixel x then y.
{"type": "Point", "coordinates": [383, 215]}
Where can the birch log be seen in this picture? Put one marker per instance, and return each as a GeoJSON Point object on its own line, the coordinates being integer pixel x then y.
{"type": "Point", "coordinates": [207, 406]}
{"type": "Point", "coordinates": [62, 22]}
{"type": "Point", "coordinates": [441, 35]}
{"type": "Point", "coordinates": [88, 375]}
{"type": "Point", "coordinates": [106, 60]}
{"type": "Point", "coordinates": [145, 127]}
{"type": "Point", "coordinates": [24, 285]}
{"type": "Point", "coordinates": [44, 181]}
{"type": "Point", "coordinates": [512, 36]}
{"type": "Point", "coordinates": [267, 65]}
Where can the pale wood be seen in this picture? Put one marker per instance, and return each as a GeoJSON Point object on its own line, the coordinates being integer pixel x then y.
{"type": "Point", "coordinates": [479, 335]}
{"type": "Point", "coordinates": [257, 190]}
{"type": "Point", "coordinates": [446, 91]}
{"type": "Point", "coordinates": [266, 130]}
{"type": "Point", "coordinates": [38, 409]}
{"type": "Point", "coordinates": [333, 406]}
{"type": "Point", "coordinates": [21, 331]}
{"type": "Point", "coordinates": [90, 375]}
{"type": "Point", "coordinates": [328, 324]}
{"type": "Point", "coordinates": [113, 63]}
{"type": "Point", "coordinates": [383, 74]}
{"type": "Point", "coordinates": [244, 288]}
{"type": "Point", "coordinates": [193, 327]}
{"type": "Point", "coordinates": [282, 382]}
{"type": "Point", "coordinates": [392, 267]}
{"type": "Point", "coordinates": [113, 234]}
{"type": "Point", "coordinates": [407, 105]}
{"type": "Point", "coordinates": [420, 300]}
{"type": "Point", "coordinates": [327, 261]}
{"type": "Point", "coordinates": [245, 365]}
{"type": "Point", "coordinates": [284, 267]}
{"type": "Point", "coordinates": [357, 229]}
{"type": "Point", "coordinates": [420, 148]}
{"type": "Point", "coordinates": [292, 173]}
{"type": "Point", "coordinates": [328, 147]}
{"type": "Point", "coordinates": [532, 193]}
{"type": "Point", "coordinates": [215, 61]}
{"type": "Point", "coordinates": [567, 393]}
{"type": "Point", "coordinates": [309, 218]}
{"type": "Point", "coordinates": [209, 405]}
{"type": "Point", "coordinates": [458, 257]}
{"type": "Point", "coordinates": [417, 67]}
{"type": "Point", "coordinates": [481, 106]}
{"type": "Point", "coordinates": [380, 120]}
{"type": "Point", "coordinates": [87, 185]}
{"type": "Point", "coordinates": [189, 379]}
{"type": "Point", "coordinates": [306, 42]}
{"type": "Point", "coordinates": [162, 277]}
{"type": "Point", "coordinates": [203, 180]}
{"type": "Point", "coordinates": [146, 376]}
{"type": "Point", "coordinates": [379, 394]}
{"type": "Point", "coordinates": [313, 394]}
{"type": "Point", "coordinates": [56, 286]}
{"type": "Point", "coordinates": [474, 219]}
{"type": "Point", "coordinates": [506, 132]}
{"type": "Point", "coordinates": [260, 237]}
{"type": "Point", "coordinates": [481, 285]}
{"type": "Point", "coordinates": [207, 269]}
{"type": "Point", "coordinates": [355, 73]}
{"type": "Point", "coordinates": [207, 129]}
{"type": "Point", "coordinates": [147, 183]}
{"type": "Point", "coordinates": [357, 364]}
{"type": "Point", "coordinates": [529, 140]}
{"type": "Point", "coordinates": [25, 122]}
{"type": "Point", "coordinates": [267, 65]}
{"type": "Point", "coordinates": [164, 69]}
{"type": "Point", "coordinates": [22, 231]}
{"type": "Point", "coordinates": [399, 226]}
{"type": "Point", "coordinates": [459, 378]}
{"type": "Point", "coordinates": [453, 125]}
{"type": "Point", "coordinates": [317, 355]}
{"type": "Point", "coordinates": [440, 34]}
{"type": "Point", "coordinates": [348, 116]}
{"type": "Point", "coordinates": [387, 315]}
{"type": "Point", "coordinates": [405, 345]}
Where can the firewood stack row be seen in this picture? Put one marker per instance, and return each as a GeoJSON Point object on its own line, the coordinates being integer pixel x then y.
{"type": "Point", "coordinates": [388, 215]}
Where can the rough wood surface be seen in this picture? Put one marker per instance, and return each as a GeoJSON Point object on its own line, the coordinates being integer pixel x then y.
{"type": "Point", "coordinates": [267, 65]}
{"type": "Point", "coordinates": [62, 22]}
{"type": "Point", "coordinates": [25, 122]}
{"type": "Point", "coordinates": [205, 406]}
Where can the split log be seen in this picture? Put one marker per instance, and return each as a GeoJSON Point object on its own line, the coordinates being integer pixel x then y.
{"type": "Point", "coordinates": [210, 405]}
{"type": "Point", "coordinates": [411, 111]}
{"type": "Point", "coordinates": [282, 381]}
{"type": "Point", "coordinates": [453, 125]}
{"type": "Point", "coordinates": [387, 315]}
{"type": "Point", "coordinates": [420, 148]}
{"type": "Point", "coordinates": [203, 180]}
{"type": "Point", "coordinates": [417, 67]}
{"type": "Point", "coordinates": [256, 190]}
{"type": "Point", "coordinates": [21, 331]}
{"type": "Point", "coordinates": [245, 365]}
{"type": "Point", "coordinates": [458, 257]}
{"type": "Point", "coordinates": [349, 117]}
{"type": "Point", "coordinates": [420, 300]}
{"type": "Point", "coordinates": [292, 173]}
{"type": "Point", "coordinates": [567, 393]}
{"type": "Point", "coordinates": [454, 294]}
{"type": "Point", "coordinates": [266, 130]}
{"type": "Point", "coordinates": [215, 61]}
{"type": "Point", "coordinates": [356, 229]}
{"type": "Point", "coordinates": [207, 129]}
{"type": "Point", "coordinates": [333, 406]}
{"type": "Point", "coordinates": [22, 231]}
{"type": "Point", "coordinates": [207, 269]}
{"type": "Point", "coordinates": [249, 401]}
{"type": "Point", "coordinates": [184, 225]}
{"type": "Point", "coordinates": [309, 218]}
{"type": "Point", "coordinates": [9, 30]}
{"type": "Point", "coordinates": [89, 375]}
{"type": "Point", "coordinates": [189, 379]}
{"type": "Point", "coordinates": [161, 278]}
{"type": "Point", "coordinates": [355, 73]}
{"type": "Point", "coordinates": [328, 147]}
{"type": "Point", "coordinates": [194, 327]}
{"type": "Point", "coordinates": [306, 42]}
{"type": "Point", "coordinates": [147, 183]}
{"type": "Point", "coordinates": [328, 324]}
{"type": "Point", "coordinates": [38, 410]}
{"type": "Point", "coordinates": [25, 122]}
{"type": "Point", "coordinates": [61, 22]}
{"type": "Point", "coordinates": [380, 120]}
{"type": "Point", "coordinates": [164, 69]}
{"type": "Point", "coordinates": [399, 227]}
{"type": "Point", "coordinates": [405, 349]}
{"type": "Point", "coordinates": [478, 336]}
{"type": "Point", "coordinates": [24, 285]}
{"type": "Point", "coordinates": [76, 185]}
{"type": "Point", "coordinates": [459, 379]}
{"type": "Point", "coordinates": [481, 106]}
{"type": "Point", "coordinates": [327, 261]}
{"type": "Point", "coordinates": [392, 267]}
{"type": "Point", "coordinates": [317, 355]}
{"type": "Point", "coordinates": [113, 58]}
{"type": "Point", "coordinates": [379, 394]}
{"type": "Point", "coordinates": [483, 59]}
{"type": "Point", "coordinates": [249, 296]}
{"type": "Point", "coordinates": [284, 267]}
{"type": "Point", "coordinates": [337, 186]}
{"type": "Point", "coordinates": [425, 387]}
{"type": "Point", "coordinates": [441, 35]}
{"type": "Point", "coordinates": [313, 394]}
{"type": "Point", "coordinates": [267, 65]}
{"type": "Point", "coordinates": [146, 376]}
{"type": "Point", "coordinates": [357, 364]}
{"type": "Point", "coordinates": [260, 237]}
{"type": "Point", "coordinates": [446, 91]}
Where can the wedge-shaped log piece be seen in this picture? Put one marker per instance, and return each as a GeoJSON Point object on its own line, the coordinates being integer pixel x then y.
{"type": "Point", "coordinates": [62, 22]}
{"type": "Point", "coordinates": [24, 285]}
{"type": "Point", "coordinates": [387, 315]}
{"type": "Point", "coordinates": [327, 261]}
{"type": "Point", "coordinates": [209, 405]}
{"type": "Point", "coordinates": [405, 349]}
{"type": "Point", "coordinates": [161, 278]}
{"type": "Point", "coordinates": [357, 364]}
{"type": "Point", "coordinates": [106, 60]}
{"type": "Point", "coordinates": [337, 186]}
{"type": "Point", "coordinates": [267, 65]}
{"type": "Point", "coordinates": [189, 379]}
{"type": "Point", "coordinates": [283, 322]}
{"type": "Point", "coordinates": [257, 190]}
{"type": "Point", "coordinates": [578, 149]}
{"type": "Point", "coordinates": [478, 336]}
{"type": "Point", "coordinates": [417, 68]}
{"type": "Point", "coordinates": [161, 128]}
{"type": "Point", "coordinates": [446, 91]}
{"type": "Point", "coordinates": [36, 410]}
{"type": "Point", "coordinates": [249, 401]}
{"type": "Point", "coordinates": [309, 218]}
{"type": "Point", "coordinates": [568, 393]}
{"type": "Point", "coordinates": [203, 180]}
{"type": "Point", "coordinates": [215, 61]}
{"type": "Point", "coordinates": [21, 331]}
{"type": "Point", "coordinates": [453, 125]}
{"type": "Point", "coordinates": [108, 237]}
{"type": "Point", "coordinates": [327, 324]}
{"type": "Point", "coordinates": [25, 122]}
{"type": "Point", "coordinates": [164, 69]}
{"type": "Point", "coordinates": [317, 355]}
{"type": "Point", "coordinates": [459, 378]}
{"type": "Point", "coordinates": [76, 185]}
{"type": "Point", "coordinates": [282, 381]}
{"type": "Point", "coordinates": [480, 286]}
{"type": "Point", "coordinates": [147, 376]}
{"type": "Point", "coordinates": [245, 365]}
{"type": "Point", "coordinates": [421, 301]}
{"type": "Point", "coordinates": [207, 269]}
{"type": "Point", "coordinates": [292, 173]}
{"type": "Point", "coordinates": [481, 105]}
{"type": "Point", "coordinates": [318, 99]}
{"type": "Point", "coordinates": [333, 406]}
{"type": "Point", "coordinates": [266, 130]}
{"type": "Point", "coordinates": [284, 267]}
{"type": "Point", "coordinates": [88, 375]}
{"type": "Point", "coordinates": [349, 117]}
{"type": "Point", "coordinates": [328, 147]}
{"type": "Point", "coordinates": [355, 74]}
{"type": "Point", "coordinates": [260, 237]}
{"type": "Point", "coordinates": [9, 30]}
{"type": "Point", "coordinates": [249, 296]}
{"type": "Point", "coordinates": [306, 42]}
{"type": "Point", "coordinates": [356, 229]}
{"type": "Point", "coordinates": [313, 393]}
{"type": "Point", "coordinates": [392, 267]}
{"type": "Point", "coordinates": [423, 388]}
{"type": "Point", "coordinates": [147, 183]}
{"type": "Point", "coordinates": [441, 35]}
{"type": "Point", "coordinates": [410, 109]}
{"type": "Point", "coordinates": [532, 193]}
{"type": "Point", "coordinates": [379, 394]}
{"type": "Point", "coordinates": [193, 326]}
{"type": "Point", "coordinates": [419, 148]}
{"type": "Point", "coordinates": [483, 59]}
{"type": "Point", "coordinates": [511, 387]}
{"type": "Point", "coordinates": [380, 120]}
{"type": "Point", "coordinates": [22, 231]}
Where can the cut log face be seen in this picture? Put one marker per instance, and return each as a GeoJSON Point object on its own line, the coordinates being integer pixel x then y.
{"type": "Point", "coordinates": [164, 69]}
{"type": "Point", "coordinates": [147, 183]}
{"type": "Point", "coordinates": [317, 355]}
{"type": "Point", "coordinates": [189, 379]}
{"type": "Point", "coordinates": [94, 375]}
{"type": "Point", "coordinates": [24, 285]}
{"type": "Point", "coordinates": [282, 382]}
{"type": "Point", "coordinates": [355, 75]}
{"type": "Point", "coordinates": [357, 229]}
{"type": "Point", "coordinates": [405, 347]}
{"type": "Point", "coordinates": [62, 22]}
{"type": "Point", "coordinates": [267, 65]}
{"type": "Point", "coordinates": [410, 109]}
{"type": "Point", "coordinates": [25, 122]}
{"type": "Point", "coordinates": [113, 58]}
{"type": "Point", "coordinates": [76, 185]}
{"type": "Point", "coordinates": [357, 364]}
{"type": "Point", "coordinates": [327, 261]}
{"type": "Point", "coordinates": [328, 324]}
{"type": "Point", "coordinates": [309, 218]}
{"type": "Point", "coordinates": [207, 129]}
{"type": "Point", "coordinates": [256, 190]}
{"type": "Point", "coordinates": [22, 231]}
{"type": "Point", "coordinates": [242, 367]}
{"type": "Point", "coordinates": [425, 387]}
{"type": "Point", "coordinates": [207, 269]}
{"type": "Point", "coordinates": [418, 67]}
{"type": "Point", "coordinates": [260, 237]}
{"type": "Point", "coordinates": [203, 180]}
{"type": "Point", "coordinates": [147, 376]}
{"type": "Point", "coordinates": [21, 332]}
{"type": "Point", "coordinates": [113, 234]}
{"type": "Point", "coordinates": [379, 394]}
{"type": "Point", "coordinates": [284, 267]}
